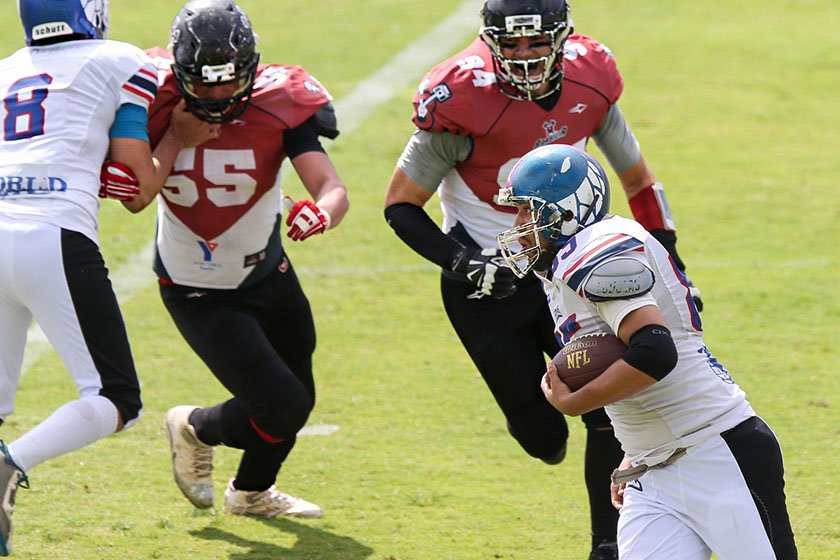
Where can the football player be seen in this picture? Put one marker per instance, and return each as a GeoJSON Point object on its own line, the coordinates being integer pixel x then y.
{"type": "Point", "coordinates": [69, 97]}
{"type": "Point", "coordinates": [224, 275]}
{"type": "Point", "coordinates": [702, 473]}
{"type": "Point", "coordinates": [527, 81]}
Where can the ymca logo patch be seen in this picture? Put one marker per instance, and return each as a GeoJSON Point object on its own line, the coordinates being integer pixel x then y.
{"type": "Point", "coordinates": [207, 248]}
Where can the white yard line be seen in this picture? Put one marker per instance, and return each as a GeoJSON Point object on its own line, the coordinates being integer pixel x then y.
{"type": "Point", "coordinates": [404, 69]}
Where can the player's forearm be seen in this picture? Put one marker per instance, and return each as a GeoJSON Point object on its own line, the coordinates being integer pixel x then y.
{"type": "Point", "coordinates": [151, 178]}
{"type": "Point", "coordinates": [334, 201]}
{"type": "Point", "coordinates": [417, 230]}
{"type": "Point", "coordinates": [618, 382]}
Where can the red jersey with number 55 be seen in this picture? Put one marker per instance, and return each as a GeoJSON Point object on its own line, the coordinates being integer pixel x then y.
{"type": "Point", "coordinates": [461, 96]}
{"type": "Point", "coordinates": [219, 212]}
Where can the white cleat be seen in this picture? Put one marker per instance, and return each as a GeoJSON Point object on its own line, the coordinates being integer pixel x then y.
{"type": "Point", "coordinates": [192, 460]}
{"type": "Point", "coordinates": [268, 503]}
{"type": "Point", "coordinates": [11, 477]}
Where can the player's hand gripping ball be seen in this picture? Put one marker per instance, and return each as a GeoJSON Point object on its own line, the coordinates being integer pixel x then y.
{"type": "Point", "coordinates": [586, 357]}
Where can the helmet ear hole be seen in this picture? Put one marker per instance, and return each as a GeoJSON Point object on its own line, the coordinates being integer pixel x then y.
{"type": "Point", "coordinates": [555, 214]}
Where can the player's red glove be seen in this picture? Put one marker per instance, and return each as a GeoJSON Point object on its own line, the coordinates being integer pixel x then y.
{"type": "Point", "coordinates": [118, 181]}
{"type": "Point", "coordinates": [305, 219]}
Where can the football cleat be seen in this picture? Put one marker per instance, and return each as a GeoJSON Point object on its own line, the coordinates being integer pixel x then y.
{"type": "Point", "coordinates": [192, 460]}
{"type": "Point", "coordinates": [268, 503]}
{"type": "Point", "coordinates": [11, 477]}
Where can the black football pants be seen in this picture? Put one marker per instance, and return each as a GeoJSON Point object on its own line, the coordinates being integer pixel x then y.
{"type": "Point", "coordinates": [258, 342]}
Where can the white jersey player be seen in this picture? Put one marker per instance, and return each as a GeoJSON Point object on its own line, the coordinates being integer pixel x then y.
{"type": "Point", "coordinates": [702, 472]}
{"type": "Point", "coordinates": [69, 98]}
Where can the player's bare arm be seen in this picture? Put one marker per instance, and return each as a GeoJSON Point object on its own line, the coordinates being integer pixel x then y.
{"type": "Point", "coordinates": [405, 189]}
{"type": "Point", "coordinates": [636, 178]}
{"type": "Point", "coordinates": [152, 170]}
{"type": "Point", "coordinates": [321, 180]}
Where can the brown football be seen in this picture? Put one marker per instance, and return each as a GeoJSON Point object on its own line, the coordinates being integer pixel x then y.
{"type": "Point", "coordinates": [586, 357]}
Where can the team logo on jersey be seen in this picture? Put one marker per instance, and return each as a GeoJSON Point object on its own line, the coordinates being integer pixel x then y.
{"type": "Point", "coordinates": [551, 133]}
{"type": "Point", "coordinates": [207, 247]}
{"type": "Point", "coordinates": [439, 94]}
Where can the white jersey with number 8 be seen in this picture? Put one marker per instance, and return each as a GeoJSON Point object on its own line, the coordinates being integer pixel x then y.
{"type": "Point", "coordinates": [50, 155]}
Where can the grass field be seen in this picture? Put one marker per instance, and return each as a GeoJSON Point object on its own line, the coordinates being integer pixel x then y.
{"type": "Point", "coordinates": [736, 110]}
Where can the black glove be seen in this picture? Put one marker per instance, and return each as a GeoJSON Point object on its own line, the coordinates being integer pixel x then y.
{"type": "Point", "coordinates": [487, 270]}
{"type": "Point", "coordinates": [695, 294]}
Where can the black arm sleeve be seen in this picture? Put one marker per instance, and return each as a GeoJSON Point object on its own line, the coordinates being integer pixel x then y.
{"type": "Point", "coordinates": [651, 350]}
{"type": "Point", "coordinates": [417, 230]}
{"type": "Point", "coordinates": [668, 239]}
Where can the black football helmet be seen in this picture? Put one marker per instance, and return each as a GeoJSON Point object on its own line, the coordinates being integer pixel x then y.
{"type": "Point", "coordinates": [527, 18]}
{"type": "Point", "coordinates": [213, 44]}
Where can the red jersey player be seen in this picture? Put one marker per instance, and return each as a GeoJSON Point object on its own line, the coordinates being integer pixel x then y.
{"type": "Point", "coordinates": [224, 276]}
{"type": "Point", "coordinates": [527, 81]}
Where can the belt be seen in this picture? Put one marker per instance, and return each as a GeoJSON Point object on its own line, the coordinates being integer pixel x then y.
{"type": "Point", "coordinates": [623, 476]}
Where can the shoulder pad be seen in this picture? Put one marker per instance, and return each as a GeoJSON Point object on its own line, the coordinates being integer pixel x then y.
{"type": "Point", "coordinates": [620, 278]}
{"type": "Point", "coordinates": [325, 122]}
{"type": "Point", "coordinates": [589, 62]}
{"type": "Point", "coordinates": [460, 94]}
{"type": "Point", "coordinates": [288, 93]}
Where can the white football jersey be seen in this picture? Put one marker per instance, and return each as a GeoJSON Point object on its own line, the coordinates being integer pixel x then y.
{"type": "Point", "coordinates": [59, 103]}
{"type": "Point", "coordinates": [698, 398]}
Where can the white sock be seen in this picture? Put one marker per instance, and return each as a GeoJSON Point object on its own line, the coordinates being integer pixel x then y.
{"type": "Point", "coordinates": [73, 426]}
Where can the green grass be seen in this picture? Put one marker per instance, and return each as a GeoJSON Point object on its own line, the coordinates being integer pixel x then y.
{"type": "Point", "coordinates": [735, 108]}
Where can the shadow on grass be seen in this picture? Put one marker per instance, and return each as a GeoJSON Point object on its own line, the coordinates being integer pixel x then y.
{"type": "Point", "coordinates": [311, 543]}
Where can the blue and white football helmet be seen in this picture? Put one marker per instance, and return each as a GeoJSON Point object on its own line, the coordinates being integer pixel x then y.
{"type": "Point", "coordinates": [566, 190]}
{"type": "Point", "coordinates": [49, 21]}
